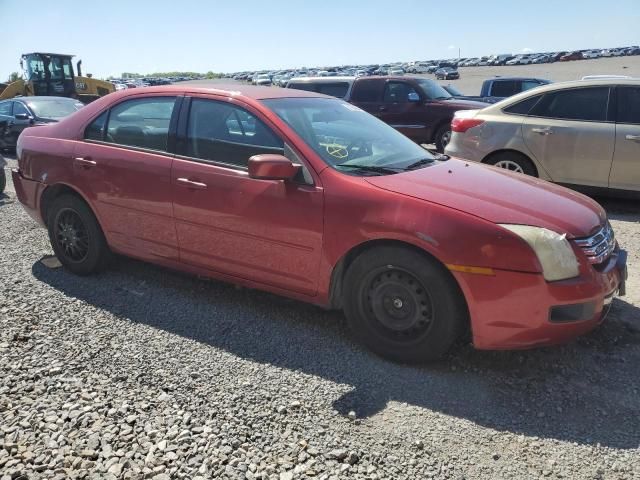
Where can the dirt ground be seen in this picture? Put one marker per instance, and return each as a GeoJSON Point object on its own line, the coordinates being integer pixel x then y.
{"type": "Point", "coordinates": [471, 78]}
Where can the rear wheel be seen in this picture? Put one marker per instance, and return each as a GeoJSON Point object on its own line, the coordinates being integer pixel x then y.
{"type": "Point", "coordinates": [513, 161]}
{"type": "Point", "coordinates": [76, 236]}
{"type": "Point", "coordinates": [443, 137]}
{"type": "Point", "coordinates": [403, 305]}
{"type": "Point", "coordinates": [3, 180]}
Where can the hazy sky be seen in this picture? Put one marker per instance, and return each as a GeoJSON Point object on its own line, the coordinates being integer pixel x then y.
{"type": "Point", "coordinates": [115, 36]}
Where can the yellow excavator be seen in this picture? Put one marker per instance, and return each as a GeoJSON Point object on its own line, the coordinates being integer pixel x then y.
{"type": "Point", "coordinates": [52, 74]}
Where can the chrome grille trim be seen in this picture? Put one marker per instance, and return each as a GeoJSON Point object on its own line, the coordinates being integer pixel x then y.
{"type": "Point", "coordinates": [598, 247]}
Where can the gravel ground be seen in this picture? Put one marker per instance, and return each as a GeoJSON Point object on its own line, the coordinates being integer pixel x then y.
{"type": "Point", "coordinates": [141, 372]}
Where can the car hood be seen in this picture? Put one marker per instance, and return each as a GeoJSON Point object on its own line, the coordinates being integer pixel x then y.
{"type": "Point", "coordinates": [498, 196]}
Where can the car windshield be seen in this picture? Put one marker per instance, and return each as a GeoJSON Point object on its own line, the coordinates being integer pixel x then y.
{"type": "Point", "coordinates": [453, 91]}
{"type": "Point", "coordinates": [431, 89]}
{"type": "Point", "coordinates": [54, 108]}
{"type": "Point", "coordinates": [348, 138]}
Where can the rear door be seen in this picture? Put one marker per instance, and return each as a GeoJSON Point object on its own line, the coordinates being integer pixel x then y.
{"type": "Point", "coordinates": [268, 231]}
{"type": "Point", "coordinates": [625, 170]}
{"type": "Point", "coordinates": [124, 167]}
{"type": "Point", "coordinates": [570, 135]}
{"type": "Point", "coordinates": [367, 95]}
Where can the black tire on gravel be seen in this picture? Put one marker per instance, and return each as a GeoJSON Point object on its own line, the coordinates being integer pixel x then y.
{"type": "Point", "coordinates": [443, 137]}
{"type": "Point", "coordinates": [3, 180]}
{"type": "Point", "coordinates": [512, 161]}
{"type": "Point", "coordinates": [403, 305]}
{"type": "Point", "coordinates": [76, 236]}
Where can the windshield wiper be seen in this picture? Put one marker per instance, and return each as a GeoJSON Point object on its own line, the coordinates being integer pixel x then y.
{"type": "Point", "coordinates": [371, 168]}
{"type": "Point", "coordinates": [419, 163]}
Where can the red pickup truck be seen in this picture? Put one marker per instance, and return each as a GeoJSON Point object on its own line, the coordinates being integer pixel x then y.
{"type": "Point", "coordinates": [417, 107]}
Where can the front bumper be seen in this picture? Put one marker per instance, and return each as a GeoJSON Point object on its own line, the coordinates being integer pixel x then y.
{"type": "Point", "coordinates": [513, 310]}
{"type": "Point", "coordinates": [29, 193]}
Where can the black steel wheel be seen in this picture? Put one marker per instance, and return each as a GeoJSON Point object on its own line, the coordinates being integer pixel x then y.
{"type": "Point", "coordinates": [403, 304]}
{"type": "Point", "coordinates": [399, 305]}
{"type": "Point", "coordinates": [3, 180]}
{"type": "Point", "coordinates": [76, 236]}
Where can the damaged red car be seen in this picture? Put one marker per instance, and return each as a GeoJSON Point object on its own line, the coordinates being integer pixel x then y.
{"type": "Point", "coordinates": [310, 197]}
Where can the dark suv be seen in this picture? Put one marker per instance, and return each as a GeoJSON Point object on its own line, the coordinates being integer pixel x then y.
{"type": "Point", "coordinates": [419, 108]}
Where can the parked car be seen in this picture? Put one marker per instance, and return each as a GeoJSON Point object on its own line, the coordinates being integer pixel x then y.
{"type": "Point", "coordinates": [591, 54]}
{"type": "Point", "coordinates": [520, 60]}
{"type": "Point", "coordinates": [262, 80]}
{"type": "Point", "coordinates": [3, 176]}
{"type": "Point", "coordinates": [501, 59]}
{"type": "Point", "coordinates": [395, 71]}
{"type": "Point", "coordinates": [447, 73]}
{"type": "Point", "coordinates": [565, 132]}
{"type": "Point", "coordinates": [495, 89]}
{"type": "Point", "coordinates": [606, 53]}
{"type": "Point", "coordinates": [19, 113]}
{"type": "Point", "coordinates": [415, 251]}
{"type": "Point", "coordinates": [577, 55]}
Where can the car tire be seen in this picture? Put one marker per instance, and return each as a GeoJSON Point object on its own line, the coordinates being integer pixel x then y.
{"type": "Point", "coordinates": [3, 180]}
{"type": "Point", "coordinates": [443, 137]}
{"type": "Point", "coordinates": [75, 236]}
{"type": "Point", "coordinates": [403, 305]}
{"type": "Point", "coordinates": [513, 161]}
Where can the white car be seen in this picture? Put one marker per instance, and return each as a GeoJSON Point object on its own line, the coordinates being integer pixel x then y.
{"type": "Point", "coordinates": [562, 132]}
{"type": "Point", "coordinates": [395, 71]}
{"type": "Point", "coordinates": [520, 60]}
{"type": "Point", "coordinates": [591, 54]}
{"type": "Point", "coordinates": [606, 53]}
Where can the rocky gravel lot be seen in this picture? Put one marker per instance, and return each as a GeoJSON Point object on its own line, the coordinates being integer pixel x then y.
{"type": "Point", "coordinates": [142, 372]}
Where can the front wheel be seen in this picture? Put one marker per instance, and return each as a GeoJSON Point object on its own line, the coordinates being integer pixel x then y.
{"type": "Point", "coordinates": [403, 305]}
{"type": "Point", "coordinates": [76, 236]}
{"type": "Point", "coordinates": [3, 180]}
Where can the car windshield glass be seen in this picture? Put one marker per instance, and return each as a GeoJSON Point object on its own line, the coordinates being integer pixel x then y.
{"type": "Point", "coordinates": [432, 90]}
{"type": "Point", "coordinates": [453, 91]}
{"type": "Point", "coordinates": [54, 108]}
{"type": "Point", "coordinates": [342, 135]}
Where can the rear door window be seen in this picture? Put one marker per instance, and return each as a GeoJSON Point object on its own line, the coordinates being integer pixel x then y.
{"type": "Point", "coordinates": [628, 110]}
{"type": "Point", "coordinates": [141, 122]}
{"type": "Point", "coordinates": [583, 104]}
{"type": "Point", "coordinates": [367, 91]}
{"type": "Point", "coordinates": [337, 89]}
{"type": "Point", "coordinates": [96, 129]}
{"type": "Point", "coordinates": [221, 132]}
{"type": "Point", "coordinates": [522, 107]}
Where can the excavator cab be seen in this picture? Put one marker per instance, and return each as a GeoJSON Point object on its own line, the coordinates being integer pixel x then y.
{"type": "Point", "coordinates": [49, 74]}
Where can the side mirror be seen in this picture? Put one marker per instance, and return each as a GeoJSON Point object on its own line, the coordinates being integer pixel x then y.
{"type": "Point", "coordinates": [21, 116]}
{"type": "Point", "coordinates": [272, 167]}
{"type": "Point", "coordinates": [413, 97]}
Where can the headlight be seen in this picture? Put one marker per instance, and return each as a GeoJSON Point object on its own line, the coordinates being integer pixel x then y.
{"type": "Point", "coordinates": [552, 249]}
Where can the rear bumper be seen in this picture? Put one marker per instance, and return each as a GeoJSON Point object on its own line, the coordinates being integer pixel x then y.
{"type": "Point", "coordinates": [29, 193]}
{"type": "Point", "coordinates": [513, 310]}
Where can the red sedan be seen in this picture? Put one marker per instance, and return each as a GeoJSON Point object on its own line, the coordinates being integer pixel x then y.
{"type": "Point", "coordinates": [310, 197]}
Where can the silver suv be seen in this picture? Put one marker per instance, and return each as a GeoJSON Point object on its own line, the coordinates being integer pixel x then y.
{"type": "Point", "coordinates": [581, 133]}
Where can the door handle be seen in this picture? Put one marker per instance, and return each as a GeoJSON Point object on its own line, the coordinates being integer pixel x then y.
{"type": "Point", "coordinates": [185, 182]}
{"type": "Point", "coordinates": [84, 162]}
{"type": "Point", "coordinates": [542, 131]}
{"type": "Point", "coordinates": [382, 109]}
{"type": "Point", "coordinates": [633, 138]}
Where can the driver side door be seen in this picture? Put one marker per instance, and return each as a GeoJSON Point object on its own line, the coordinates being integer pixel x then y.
{"type": "Point", "coordinates": [266, 231]}
{"type": "Point", "coordinates": [402, 108]}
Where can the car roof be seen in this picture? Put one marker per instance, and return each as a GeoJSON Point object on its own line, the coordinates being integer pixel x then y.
{"type": "Point", "coordinates": [321, 79]}
{"type": "Point", "coordinates": [552, 87]}
{"type": "Point", "coordinates": [232, 90]}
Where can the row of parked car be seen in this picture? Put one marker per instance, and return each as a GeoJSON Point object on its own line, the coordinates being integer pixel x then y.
{"type": "Point", "coordinates": [124, 83]}
{"type": "Point", "coordinates": [445, 69]}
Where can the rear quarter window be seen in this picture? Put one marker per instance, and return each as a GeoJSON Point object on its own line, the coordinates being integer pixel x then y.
{"type": "Point", "coordinates": [523, 107]}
